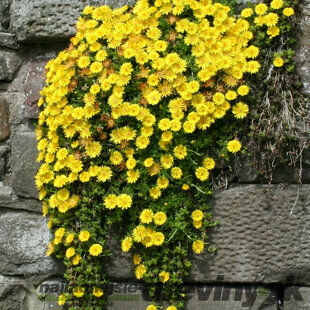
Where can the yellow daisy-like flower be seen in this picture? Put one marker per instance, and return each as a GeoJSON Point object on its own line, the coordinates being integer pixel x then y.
{"type": "Point", "coordinates": [110, 201]}
{"type": "Point", "coordinates": [288, 12]}
{"type": "Point", "coordinates": [151, 307]}
{"type": "Point", "coordinates": [234, 146]}
{"type": "Point", "coordinates": [198, 246]}
{"type": "Point", "coordinates": [276, 4]}
{"type": "Point", "coordinates": [97, 292]}
{"type": "Point", "coordinates": [180, 151]}
{"type": "Point", "coordinates": [176, 173]}
{"type": "Point", "coordinates": [202, 173]}
{"type": "Point", "coordinates": [95, 249]}
{"type": "Point", "coordinates": [139, 233]}
{"type": "Point", "coordinates": [126, 244]}
{"type": "Point", "coordinates": [158, 238]}
{"type": "Point", "coordinates": [78, 292]}
{"type": "Point", "coordinates": [162, 182]}
{"type": "Point", "coordinates": [197, 215]}
{"type": "Point", "coordinates": [160, 218]}
{"type": "Point", "coordinates": [197, 224]}
{"type": "Point", "coordinates": [247, 12]}
{"type": "Point", "coordinates": [148, 162]}
{"type": "Point", "coordinates": [136, 259]}
{"type": "Point", "coordinates": [278, 62]}
{"type": "Point", "coordinates": [116, 158]}
{"type": "Point", "coordinates": [243, 90]}
{"type": "Point", "coordinates": [76, 260]}
{"type": "Point", "coordinates": [164, 276]}
{"type": "Point", "coordinates": [70, 252]}
{"type": "Point", "coordinates": [172, 308]}
{"type": "Point", "coordinates": [84, 235]}
{"type": "Point", "coordinates": [209, 163]}
{"type": "Point", "coordinates": [240, 110]}
{"type": "Point", "coordinates": [124, 201]}
{"type": "Point", "coordinates": [93, 149]}
{"type": "Point", "coordinates": [155, 192]}
{"type": "Point", "coordinates": [261, 9]}
{"type": "Point", "coordinates": [140, 271]}
{"type": "Point", "coordinates": [146, 216]}
{"type": "Point", "coordinates": [61, 299]}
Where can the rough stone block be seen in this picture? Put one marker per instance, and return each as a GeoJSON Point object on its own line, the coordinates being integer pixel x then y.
{"type": "Point", "coordinates": [296, 297]}
{"type": "Point", "coordinates": [4, 119]}
{"type": "Point", "coordinates": [23, 241]}
{"type": "Point", "coordinates": [12, 293]}
{"type": "Point", "coordinates": [4, 14]}
{"type": "Point", "coordinates": [9, 64]}
{"type": "Point", "coordinates": [3, 150]}
{"type": "Point", "coordinates": [34, 83]}
{"type": "Point", "coordinates": [23, 163]}
{"type": "Point", "coordinates": [263, 236]}
{"type": "Point", "coordinates": [50, 20]}
{"type": "Point", "coordinates": [8, 40]}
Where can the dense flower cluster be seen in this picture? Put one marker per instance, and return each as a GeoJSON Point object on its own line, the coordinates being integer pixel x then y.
{"type": "Point", "coordinates": [123, 135]}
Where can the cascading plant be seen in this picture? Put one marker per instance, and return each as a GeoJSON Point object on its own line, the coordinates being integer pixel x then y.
{"type": "Point", "coordinates": [137, 113]}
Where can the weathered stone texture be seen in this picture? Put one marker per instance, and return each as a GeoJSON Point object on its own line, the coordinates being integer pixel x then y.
{"type": "Point", "coordinates": [9, 64]}
{"type": "Point", "coordinates": [296, 298]}
{"type": "Point", "coordinates": [23, 163]}
{"type": "Point", "coordinates": [8, 40]}
{"type": "Point", "coordinates": [3, 150]}
{"type": "Point", "coordinates": [34, 83]}
{"type": "Point", "coordinates": [4, 14]}
{"type": "Point", "coordinates": [20, 252]}
{"type": "Point", "coordinates": [49, 20]}
{"type": "Point", "coordinates": [4, 119]}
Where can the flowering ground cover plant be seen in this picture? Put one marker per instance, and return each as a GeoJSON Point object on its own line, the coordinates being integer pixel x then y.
{"type": "Point", "coordinates": [137, 113]}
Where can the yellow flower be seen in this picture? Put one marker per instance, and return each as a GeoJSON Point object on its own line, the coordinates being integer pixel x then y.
{"type": "Point", "coordinates": [155, 192]}
{"type": "Point", "coordinates": [197, 215]}
{"type": "Point", "coordinates": [273, 31]}
{"type": "Point", "coordinates": [50, 249]}
{"type": "Point", "coordinates": [140, 271]}
{"type": "Point", "coordinates": [61, 299]}
{"type": "Point", "coordinates": [276, 4]}
{"type": "Point", "coordinates": [162, 182]}
{"type": "Point", "coordinates": [176, 173]}
{"type": "Point", "coordinates": [172, 308]}
{"type": "Point", "coordinates": [76, 259]}
{"type": "Point", "coordinates": [139, 233]}
{"type": "Point", "coordinates": [234, 146]}
{"type": "Point", "coordinates": [95, 67]}
{"type": "Point", "coordinates": [84, 235]}
{"type": "Point", "coordinates": [97, 292]}
{"type": "Point", "coordinates": [209, 163]}
{"type": "Point", "coordinates": [124, 201]}
{"type": "Point", "coordinates": [93, 149]}
{"type": "Point", "coordinates": [164, 276]}
{"type": "Point", "coordinates": [110, 201]}
{"type": "Point", "coordinates": [288, 12]}
{"type": "Point", "coordinates": [180, 151]}
{"type": "Point", "coordinates": [278, 62]}
{"type": "Point", "coordinates": [148, 162]}
{"type": "Point", "coordinates": [261, 9]}
{"type": "Point", "coordinates": [185, 187]}
{"type": "Point", "coordinates": [158, 238]}
{"type": "Point", "coordinates": [247, 12]}
{"type": "Point", "coordinates": [59, 233]}
{"type": "Point", "coordinates": [136, 259]}
{"type": "Point", "coordinates": [78, 291]}
{"type": "Point", "coordinates": [240, 110]}
{"type": "Point", "coordinates": [95, 249]}
{"type": "Point", "coordinates": [69, 238]}
{"type": "Point", "coordinates": [243, 90]}
{"type": "Point", "coordinates": [70, 252]}
{"type": "Point", "coordinates": [83, 62]}
{"type": "Point", "coordinates": [146, 216]}
{"type": "Point", "coordinates": [131, 163]}
{"type": "Point", "coordinates": [166, 161]}
{"type": "Point", "coordinates": [160, 218]}
{"type": "Point", "coordinates": [202, 173]}
{"type": "Point", "coordinates": [198, 246]}
{"type": "Point", "coordinates": [116, 158]}
{"type": "Point", "coordinates": [151, 307]}
{"type": "Point", "coordinates": [197, 224]}
{"type": "Point", "coordinates": [126, 244]}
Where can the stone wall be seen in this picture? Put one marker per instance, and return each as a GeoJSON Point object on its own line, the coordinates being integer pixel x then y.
{"type": "Point", "coordinates": [263, 256]}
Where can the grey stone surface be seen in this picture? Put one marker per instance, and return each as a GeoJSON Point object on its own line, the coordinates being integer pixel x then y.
{"type": "Point", "coordinates": [10, 201]}
{"type": "Point", "coordinates": [34, 83]}
{"type": "Point", "coordinates": [3, 150]}
{"type": "Point", "coordinates": [9, 64]}
{"type": "Point", "coordinates": [23, 241]}
{"type": "Point", "coordinates": [4, 119]}
{"type": "Point", "coordinates": [4, 14]}
{"type": "Point", "coordinates": [296, 297]}
{"type": "Point", "coordinates": [13, 293]}
{"type": "Point", "coordinates": [8, 40]}
{"type": "Point", "coordinates": [23, 163]}
{"type": "Point", "coordinates": [47, 20]}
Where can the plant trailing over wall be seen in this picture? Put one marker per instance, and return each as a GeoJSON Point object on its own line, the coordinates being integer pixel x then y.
{"type": "Point", "coordinates": [137, 113]}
